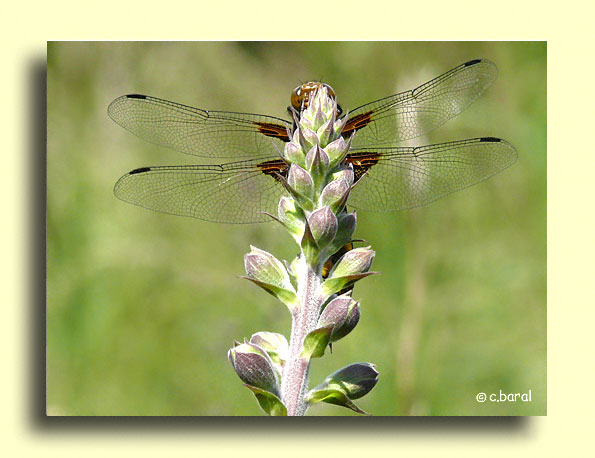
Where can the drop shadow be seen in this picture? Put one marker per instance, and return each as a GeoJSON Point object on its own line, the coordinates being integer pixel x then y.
{"type": "Point", "coordinates": [36, 341]}
{"type": "Point", "coordinates": [36, 182]}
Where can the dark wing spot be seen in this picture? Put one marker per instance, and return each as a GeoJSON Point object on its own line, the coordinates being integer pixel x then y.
{"type": "Point", "coordinates": [472, 62]}
{"type": "Point", "coordinates": [273, 130]}
{"type": "Point", "coordinates": [357, 122]}
{"type": "Point", "coordinates": [490, 140]}
{"type": "Point", "coordinates": [140, 170]}
{"type": "Point", "coordinates": [362, 162]}
{"type": "Point", "coordinates": [136, 96]}
{"type": "Point", "coordinates": [274, 168]}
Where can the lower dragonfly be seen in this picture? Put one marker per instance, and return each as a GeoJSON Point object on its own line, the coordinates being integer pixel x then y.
{"type": "Point", "coordinates": [388, 177]}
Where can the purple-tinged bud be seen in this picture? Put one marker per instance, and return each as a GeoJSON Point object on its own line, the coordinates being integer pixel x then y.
{"type": "Point", "coordinates": [254, 366]}
{"type": "Point", "coordinates": [337, 150]}
{"type": "Point", "coordinates": [301, 181]}
{"type": "Point", "coordinates": [306, 137]}
{"type": "Point", "coordinates": [355, 380]}
{"type": "Point", "coordinates": [319, 118]}
{"type": "Point", "coordinates": [266, 268]}
{"type": "Point", "coordinates": [323, 224]}
{"type": "Point", "coordinates": [346, 173]}
{"type": "Point", "coordinates": [346, 227]}
{"type": "Point", "coordinates": [343, 312]}
{"type": "Point", "coordinates": [317, 162]}
{"type": "Point", "coordinates": [335, 193]}
{"type": "Point", "coordinates": [293, 153]}
{"type": "Point", "coordinates": [356, 261]}
{"type": "Point", "coordinates": [326, 132]}
{"type": "Point", "coordinates": [274, 344]}
{"type": "Point", "coordinates": [340, 123]}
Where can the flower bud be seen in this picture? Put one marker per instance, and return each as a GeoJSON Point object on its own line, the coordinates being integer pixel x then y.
{"type": "Point", "coordinates": [306, 137]}
{"type": "Point", "coordinates": [335, 193]}
{"type": "Point", "coordinates": [318, 118]}
{"type": "Point", "coordinates": [293, 153]}
{"type": "Point", "coordinates": [254, 366]}
{"type": "Point", "coordinates": [346, 227]}
{"type": "Point", "coordinates": [266, 268]}
{"type": "Point", "coordinates": [317, 162]}
{"type": "Point", "coordinates": [301, 181]}
{"type": "Point", "coordinates": [337, 150]}
{"type": "Point", "coordinates": [291, 216]}
{"type": "Point", "coordinates": [345, 173]}
{"type": "Point", "coordinates": [323, 224]}
{"type": "Point", "coordinates": [326, 132]}
{"type": "Point", "coordinates": [353, 262]}
{"type": "Point", "coordinates": [343, 312]}
{"type": "Point", "coordinates": [274, 344]}
{"type": "Point", "coordinates": [340, 123]}
{"type": "Point", "coordinates": [355, 380]}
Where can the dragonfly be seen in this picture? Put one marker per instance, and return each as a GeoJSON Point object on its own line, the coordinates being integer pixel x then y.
{"type": "Point", "coordinates": [248, 187]}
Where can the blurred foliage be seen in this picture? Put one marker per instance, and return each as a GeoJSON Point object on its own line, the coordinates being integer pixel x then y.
{"type": "Point", "coordinates": [142, 307]}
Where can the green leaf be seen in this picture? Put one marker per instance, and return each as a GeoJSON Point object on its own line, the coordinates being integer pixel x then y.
{"type": "Point", "coordinates": [336, 284]}
{"type": "Point", "coordinates": [270, 403]}
{"type": "Point", "coordinates": [286, 296]}
{"type": "Point", "coordinates": [332, 396]}
{"type": "Point", "coordinates": [316, 341]}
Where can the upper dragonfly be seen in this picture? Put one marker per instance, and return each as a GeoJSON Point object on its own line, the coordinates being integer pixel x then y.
{"type": "Point", "coordinates": [392, 177]}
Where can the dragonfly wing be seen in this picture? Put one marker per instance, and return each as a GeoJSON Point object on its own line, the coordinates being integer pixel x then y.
{"type": "Point", "coordinates": [230, 193]}
{"type": "Point", "coordinates": [199, 132]}
{"type": "Point", "coordinates": [413, 113]}
{"type": "Point", "coordinates": [407, 177]}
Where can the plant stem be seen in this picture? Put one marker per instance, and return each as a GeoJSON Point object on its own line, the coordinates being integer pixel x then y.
{"type": "Point", "coordinates": [304, 320]}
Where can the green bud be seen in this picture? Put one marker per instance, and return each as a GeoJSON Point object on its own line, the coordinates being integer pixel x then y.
{"type": "Point", "coordinates": [301, 181]}
{"type": "Point", "coordinates": [274, 344]}
{"type": "Point", "coordinates": [347, 223]}
{"type": "Point", "coordinates": [326, 132]}
{"type": "Point", "coordinates": [306, 137]}
{"type": "Point", "coordinates": [293, 153]}
{"type": "Point", "coordinates": [356, 261]}
{"type": "Point", "coordinates": [355, 380]}
{"type": "Point", "coordinates": [292, 217]}
{"type": "Point", "coordinates": [337, 151]}
{"type": "Point", "coordinates": [351, 267]}
{"type": "Point", "coordinates": [335, 193]}
{"type": "Point", "coordinates": [317, 162]}
{"type": "Point", "coordinates": [319, 117]}
{"type": "Point", "coordinates": [344, 313]}
{"type": "Point", "coordinates": [271, 275]}
{"type": "Point", "coordinates": [339, 388]}
{"type": "Point", "coordinates": [263, 266]}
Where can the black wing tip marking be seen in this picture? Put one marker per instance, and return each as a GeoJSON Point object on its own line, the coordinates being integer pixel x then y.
{"type": "Point", "coordinates": [473, 62]}
{"type": "Point", "coordinates": [113, 106]}
{"type": "Point", "coordinates": [491, 140]}
{"type": "Point", "coordinates": [139, 170]}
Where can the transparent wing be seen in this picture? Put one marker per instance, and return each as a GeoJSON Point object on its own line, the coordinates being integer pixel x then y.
{"type": "Point", "coordinates": [230, 193]}
{"type": "Point", "coordinates": [199, 132]}
{"type": "Point", "coordinates": [406, 177]}
{"type": "Point", "coordinates": [413, 113]}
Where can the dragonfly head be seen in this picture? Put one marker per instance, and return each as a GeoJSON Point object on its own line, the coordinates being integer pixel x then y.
{"type": "Point", "coordinates": [300, 96]}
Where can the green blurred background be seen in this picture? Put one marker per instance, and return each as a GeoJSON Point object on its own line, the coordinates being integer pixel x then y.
{"type": "Point", "coordinates": [142, 307]}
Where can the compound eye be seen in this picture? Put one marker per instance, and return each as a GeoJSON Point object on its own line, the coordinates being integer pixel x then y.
{"type": "Point", "coordinates": [300, 96]}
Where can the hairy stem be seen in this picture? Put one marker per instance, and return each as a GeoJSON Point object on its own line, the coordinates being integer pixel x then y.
{"type": "Point", "coordinates": [296, 372]}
